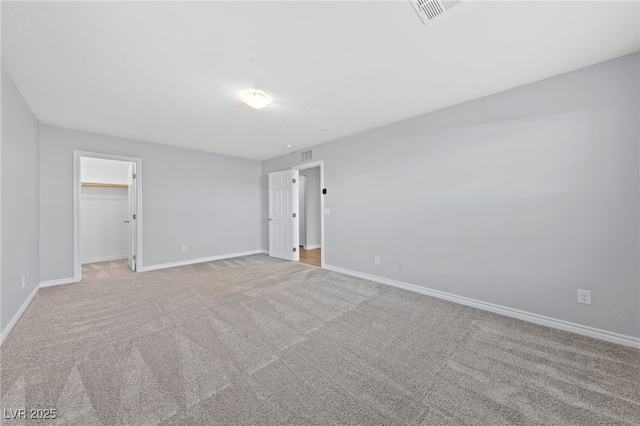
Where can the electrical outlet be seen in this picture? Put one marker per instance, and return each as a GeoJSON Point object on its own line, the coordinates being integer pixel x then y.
{"type": "Point", "coordinates": [400, 264]}
{"type": "Point", "coordinates": [376, 259]}
{"type": "Point", "coordinates": [24, 280]}
{"type": "Point", "coordinates": [584, 296]}
{"type": "Point", "coordinates": [184, 249]}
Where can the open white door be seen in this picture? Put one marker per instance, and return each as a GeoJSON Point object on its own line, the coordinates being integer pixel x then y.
{"type": "Point", "coordinates": [283, 209]}
{"type": "Point", "coordinates": [131, 217]}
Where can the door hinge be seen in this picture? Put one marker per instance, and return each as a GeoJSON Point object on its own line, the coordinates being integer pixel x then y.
{"type": "Point", "coordinates": [134, 175]}
{"type": "Point", "coordinates": [294, 215]}
{"type": "Point", "coordinates": [134, 216]}
{"type": "Point", "coordinates": [295, 249]}
{"type": "Point", "coordinates": [294, 181]}
{"type": "Point", "coordinates": [134, 257]}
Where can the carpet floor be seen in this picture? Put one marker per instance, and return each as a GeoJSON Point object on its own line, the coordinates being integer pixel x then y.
{"type": "Point", "coordinates": [256, 340]}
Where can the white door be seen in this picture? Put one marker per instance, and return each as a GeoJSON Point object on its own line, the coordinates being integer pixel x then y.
{"type": "Point", "coordinates": [131, 216]}
{"type": "Point", "coordinates": [283, 209]}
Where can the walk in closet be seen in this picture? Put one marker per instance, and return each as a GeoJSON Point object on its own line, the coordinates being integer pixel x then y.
{"type": "Point", "coordinates": [103, 204]}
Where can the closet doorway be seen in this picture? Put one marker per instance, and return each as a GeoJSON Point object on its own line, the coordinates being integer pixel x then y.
{"type": "Point", "coordinates": [107, 231]}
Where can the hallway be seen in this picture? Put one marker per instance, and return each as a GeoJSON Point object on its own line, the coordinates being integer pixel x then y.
{"type": "Point", "coordinates": [310, 257]}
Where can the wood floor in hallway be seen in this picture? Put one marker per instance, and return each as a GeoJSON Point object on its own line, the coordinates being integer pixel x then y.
{"type": "Point", "coordinates": [310, 257]}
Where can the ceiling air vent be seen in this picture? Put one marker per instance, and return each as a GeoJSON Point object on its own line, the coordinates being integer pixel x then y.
{"type": "Point", "coordinates": [429, 9]}
{"type": "Point", "coordinates": [306, 155]}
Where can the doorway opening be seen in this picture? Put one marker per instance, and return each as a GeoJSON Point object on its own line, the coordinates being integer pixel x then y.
{"type": "Point", "coordinates": [107, 220]}
{"type": "Point", "coordinates": [310, 194]}
{"type": "Point", "coordinates": [284, 210]}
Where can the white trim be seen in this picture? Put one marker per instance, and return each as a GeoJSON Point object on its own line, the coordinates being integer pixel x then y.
{"type": "Point", "coordinates": [105, 259]}
{"type": "Point", "coordinates": [313, 247]}
{"type": "Point", "coordinates": [77, 263]}
{"type": "Point", "coordinates": [60, 281]}
{"type": "Point", "coordinates": [201, 260]}
{"type": "Point", "coordinates": [584, 330]}
{"type": "Point", "coordinates": [312, 165]}
{"type": "Point", "coordinates": [16, 317]}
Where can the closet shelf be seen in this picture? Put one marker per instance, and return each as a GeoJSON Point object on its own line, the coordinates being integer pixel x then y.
{"type": "Point", "coordinates": [105, 185]}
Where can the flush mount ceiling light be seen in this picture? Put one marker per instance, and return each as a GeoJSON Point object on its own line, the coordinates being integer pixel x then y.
{"type": "Point", "coordinates": [255, 98]}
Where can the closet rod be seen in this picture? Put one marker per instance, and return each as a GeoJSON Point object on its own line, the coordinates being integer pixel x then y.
{"type": "Point", "coordinates": [106, 185]}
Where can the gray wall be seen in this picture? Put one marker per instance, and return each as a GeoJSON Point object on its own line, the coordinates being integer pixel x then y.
{"type": "Point", "coordinates": [20, 252]}
{"type": "Point", "coordinates": [211, 203]}
{"type": "Point", "coordinates": [516, 199]}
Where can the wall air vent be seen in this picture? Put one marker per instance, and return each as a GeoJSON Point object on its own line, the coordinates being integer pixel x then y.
{"type": "Point", "coordinates": [306, 155]}
{"type": "Point", "coordinates": [429, 9]}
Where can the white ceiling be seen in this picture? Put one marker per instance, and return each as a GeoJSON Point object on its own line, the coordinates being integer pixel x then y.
{"type": "Point", "coordinates": [170, 72]}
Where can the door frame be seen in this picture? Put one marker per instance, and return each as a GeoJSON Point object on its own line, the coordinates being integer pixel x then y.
{"type": "Point", "coordinates": [77, 155]}
{"type": "Point", "coordinates": [312, 165]}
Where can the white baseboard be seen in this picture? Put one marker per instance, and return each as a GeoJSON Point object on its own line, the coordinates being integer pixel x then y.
{"type": "Point", "coordinates": [16, 317]}
{"type": "Point", "coordinates": [584, 330]}
{"type": "Point", "coordinates": [312, 246]}
{"type": "Point", "coordinates": [61, 281]}
{"type": "Point", "coordinates": [104, 259]}
{"type": "Point", "coordinates": [199, 260]}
